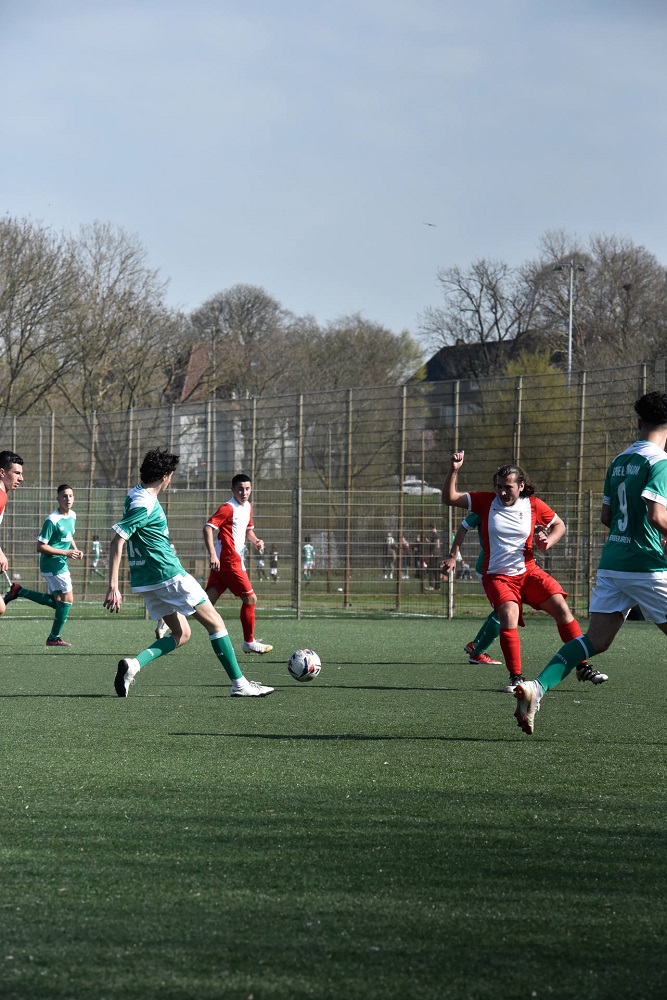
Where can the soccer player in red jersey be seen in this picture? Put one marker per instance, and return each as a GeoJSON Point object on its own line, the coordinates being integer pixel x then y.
{"type": "Point", "coordinates": [512, 520]}
{"type": "Point", "coordinates": [11, 477]}
{"type": "Point", "coordinates": [233, 523]}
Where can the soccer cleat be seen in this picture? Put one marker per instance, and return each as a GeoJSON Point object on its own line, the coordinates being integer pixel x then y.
{"type": "Point", "coordinates": [243, 688]}
{"type": "Point", "coordinates": [13, 592]}
{"type": "Point", "coordinates": [161, 629]}
{"type": "Point", "coordinates": [528, 695]}
{"type": "Point", "coordinates": [585, 672]}
{"type": "Point", "coordinates": [256, 647]}
{"type": "Point", "coordinates": [57, 642]}
{"type": "Point", "coordinates": [127, 671]}
{"type": "Point", "coordinates": [474, 657]}
{"type": "Point", "coordinates": [514, 679]}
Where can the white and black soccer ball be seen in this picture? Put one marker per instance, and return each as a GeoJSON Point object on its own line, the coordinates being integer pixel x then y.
{"type": "Point", "coordinates": [304, 665]}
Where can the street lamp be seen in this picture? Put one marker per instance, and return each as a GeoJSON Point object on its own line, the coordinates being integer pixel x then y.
{"type": "Point", "coordinates": [573, 267]}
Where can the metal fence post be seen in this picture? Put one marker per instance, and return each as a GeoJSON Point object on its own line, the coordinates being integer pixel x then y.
{"type": "Point", "coordinates": [580, 479]}
{"type": "Point", "coordinates": [208, 445]}
{"type": "Point", "coordinates": [518, 418]}
{"type": "Point", "coordinates": [348, 504]}
{"type": "Point", "coordinates": [401, 502]}
{"type": "Point", "coordinates": [130, 428]}
{"type": "Point", "coordinates": [91, 486]}
{"type": "Point", "coordinates": [298, 507]}
{"type": "Point", "coordinates": [52, 447]}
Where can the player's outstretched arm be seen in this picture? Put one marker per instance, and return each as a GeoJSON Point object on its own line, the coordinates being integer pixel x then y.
{"type": "Point", "coordinates": [450, 494]}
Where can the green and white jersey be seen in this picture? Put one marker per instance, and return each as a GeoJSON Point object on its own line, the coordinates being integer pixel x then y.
{"type": "Point", "coordinates": [152, 560]}
{"type": "Point", "coordinates": [57, 531]}
{"type": "Point", "coordinates": [308, 553]}
{"type": "Point", "coordinates": [471, 522]}
{"type": "Point", "coordinates": [636, 475]}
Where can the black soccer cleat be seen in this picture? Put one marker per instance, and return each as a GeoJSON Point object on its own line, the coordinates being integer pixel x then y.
{"type": "Point", "coordinates": [13, 592]}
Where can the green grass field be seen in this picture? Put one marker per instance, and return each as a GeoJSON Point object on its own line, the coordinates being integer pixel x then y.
{"type": "Point", "coordinates": [384, 832]}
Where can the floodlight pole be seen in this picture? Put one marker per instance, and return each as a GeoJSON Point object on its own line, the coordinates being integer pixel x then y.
{"type": "Point", "coordinates": [569, 326]}
{"type": "Point", "coordinates": [570, 323]}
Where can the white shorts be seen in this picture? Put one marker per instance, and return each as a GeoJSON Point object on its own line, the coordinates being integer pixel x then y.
{"type": "Point", "coordinates": [58, 583]}
{"type": "Point", "coordinates": [182, 594]}
{"type": "Point", "coordinates": [308, 565]}
{"type": "Point", "coordinates": [618, 594]}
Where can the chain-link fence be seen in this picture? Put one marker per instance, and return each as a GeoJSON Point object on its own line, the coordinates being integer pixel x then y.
{"type": "Point", "coordinates": [345, 469]}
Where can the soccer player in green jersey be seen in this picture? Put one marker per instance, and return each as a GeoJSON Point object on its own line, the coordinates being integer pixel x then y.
{"type": "Point", "coordinates": [56, 546]}
{"type": "Point", "coordinates": [308, 554]}
{"type": "Point", "coordinates": [168, 591]}
{"type": "Point", "coordinates": [11, 477]}
{"type": "Point", "coordinates": [632, 568]}
{"type": "Point", "coordinates": [490, 630]}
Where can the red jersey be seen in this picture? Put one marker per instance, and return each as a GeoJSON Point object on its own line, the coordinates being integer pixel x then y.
{"type": "Point", "coordinates": [233, 520]}
{"type": "Point", "coordinates": [3, 504]}
{"type": "Point", "coordinates": [507, 532]}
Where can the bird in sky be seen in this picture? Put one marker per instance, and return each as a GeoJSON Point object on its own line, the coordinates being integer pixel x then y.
{"type": "Point", "coordinates": [431, 224]}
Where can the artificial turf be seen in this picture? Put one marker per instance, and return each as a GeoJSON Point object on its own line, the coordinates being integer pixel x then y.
{"type": "Point", "coordinates": [382, 832]}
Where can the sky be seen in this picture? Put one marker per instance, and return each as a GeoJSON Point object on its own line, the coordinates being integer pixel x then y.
{"type": "Point", "coordinates": [337, 153]}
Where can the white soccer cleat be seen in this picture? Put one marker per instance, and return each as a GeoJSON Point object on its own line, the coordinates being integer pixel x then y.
{"type": "Point", "coordinates": [127, 671]}
{"type": "Point", "coordinates": [161, 629]}
{"type": "Point", "coordinates": [256, 647]}
{"type": "Point", "coordinates": [243, 688]}
{"type": "Point", "coordinates": [512, 682]}
{"type": "Point", "coordinates": [528, 695]}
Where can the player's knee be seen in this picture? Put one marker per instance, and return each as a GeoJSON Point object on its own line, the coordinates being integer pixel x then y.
{"type": "Point", "coordinates": [182, 633]}
{"type": "Point", "coordinates": [250, 598]}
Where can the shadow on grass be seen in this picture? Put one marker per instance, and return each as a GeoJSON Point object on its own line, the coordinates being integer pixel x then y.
{"type": "Point", "coordinates": [74, 697]}
{"type": "Point", "coordinates": [352, 737]}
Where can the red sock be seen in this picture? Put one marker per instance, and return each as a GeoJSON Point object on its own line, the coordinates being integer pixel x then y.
{"type": "Point", "coordinates": [511, 647]}
{"type": "Point", "coordinates": [248, 621]}
{"type": "Point", "coordinates": [569, 631]}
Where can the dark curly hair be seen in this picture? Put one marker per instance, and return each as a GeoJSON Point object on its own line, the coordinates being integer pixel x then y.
{"type": "Point", "coordinates": [156, 464]}
{"type": "Point", "coordinates": [529, 486]}
{"type": "Point", "coordinates": [652, 408]}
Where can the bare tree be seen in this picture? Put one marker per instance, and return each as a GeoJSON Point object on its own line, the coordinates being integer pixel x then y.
{"type": "Point", "coordinates": [488, 304]}
{"type": "Point", "coordinates": [619, 298]}
{"type": "Point", "coordinates": [353, 351]}
{"type": "Point", "coordinates": [115, 327]}
{"type": "Point", "coordinates": [247, 334]}
{"type": "Point", "coordinates": [37, 287]}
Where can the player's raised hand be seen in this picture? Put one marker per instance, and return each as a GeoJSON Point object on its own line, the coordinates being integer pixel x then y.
{"type": "Point", "coordinates": [457, 460]}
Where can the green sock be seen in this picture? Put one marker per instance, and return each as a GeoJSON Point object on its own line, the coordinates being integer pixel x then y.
{"type": "Point", "coordinates": [488, 634]}
{"type": "Point", "coordinates": [37, 597]}
{"type": "Point", "coordinates": [565, 660]}
{"type": "Point", "coordinates": [62, 611]}
{"type": "Point", "coordinates": [223, 649]}
{"type": "Point", "coordinates": [158, 648]}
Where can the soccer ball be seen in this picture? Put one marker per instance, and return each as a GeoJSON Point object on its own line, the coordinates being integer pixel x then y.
{"type": "Point", "coordinates": [304, 665]}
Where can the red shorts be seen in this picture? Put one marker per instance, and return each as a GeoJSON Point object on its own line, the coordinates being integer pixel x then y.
{"type": "Point", "coordinates": [532, 588]}
{"type": "Point", "coordinates": [236, 580]}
